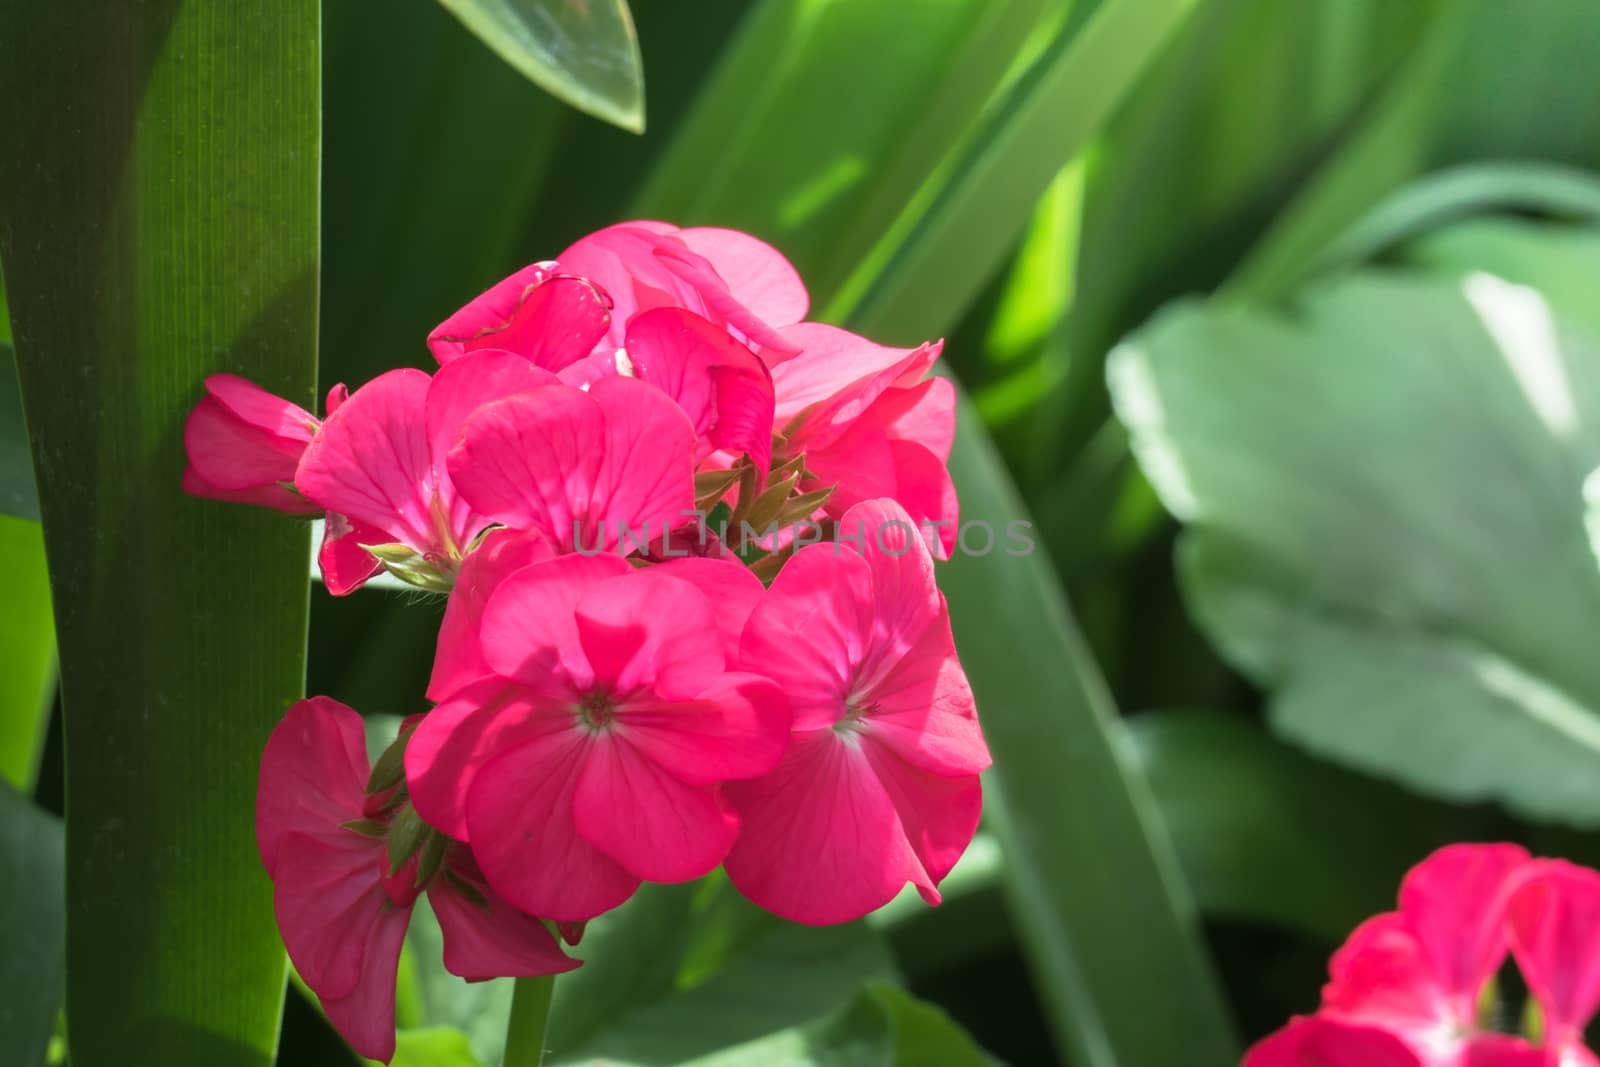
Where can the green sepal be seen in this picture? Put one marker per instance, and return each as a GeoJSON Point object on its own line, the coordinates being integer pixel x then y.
{"type": "Point", "coordinates": [406, 835]}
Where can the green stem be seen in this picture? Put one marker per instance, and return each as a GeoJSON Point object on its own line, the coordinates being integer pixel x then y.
{"type": "Point", "coordinates": [530, 1012]}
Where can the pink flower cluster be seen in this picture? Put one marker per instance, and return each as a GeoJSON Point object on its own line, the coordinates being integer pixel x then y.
{"type": "Point", "coordinates": [606, 711]}
{"type": "Point", "coordinates": [1415, 987]}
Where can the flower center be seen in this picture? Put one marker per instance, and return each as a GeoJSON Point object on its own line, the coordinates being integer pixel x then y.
{"type": "Point", "coordinates": [854, 719]}
{"type": "Point", "coordinates": [596, 711]}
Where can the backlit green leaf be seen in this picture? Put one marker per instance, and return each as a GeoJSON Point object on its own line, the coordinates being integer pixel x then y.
{"type": "Point", "coordinates": [585, 53]}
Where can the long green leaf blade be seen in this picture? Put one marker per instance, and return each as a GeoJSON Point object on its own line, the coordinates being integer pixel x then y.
{"type": "Point", "coordinates": [166, 230]}
{"type": "Point", "coordinates": [1107, 922]}
{"type": "Point", "coordinates": [955, 236]}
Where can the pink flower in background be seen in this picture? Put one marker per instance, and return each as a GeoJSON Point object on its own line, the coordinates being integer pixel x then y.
{"type": "Point", "coordinates": [1417, 975]}
{"type": "Point", "coordinates": [1322, 1042]}
{"type": "Point", "coordinates": [342, 913]}
{"type": "Point", "coordinates": [1554, 923]}
{"type": "Point", "coordinates": [1418, 971]}
{"type": "Point", "coordinates": [379, 463]}
{"type": "Point", "coordinates": [868, 420]}
{"type": "Point", "coordinates": [581, 468]}
{"type": "Point", "coordinates": [593, 759]}
{"type": "Point", "coordinates": [244, 444]}
{"type": "Point", "coordinates": [879, 786]}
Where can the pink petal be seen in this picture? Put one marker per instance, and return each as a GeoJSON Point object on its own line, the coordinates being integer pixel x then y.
{"type": "Point", "coordinates": [313, 775]}
{"type": "Point", "coordinates": [457, 738]}
{"type": "Point", "coordinates": [529, 631]}
{"type": "Point", "coordinates": [459, 661]}
{"type": "Point", "coordinates": [727, 584]}
{"type": "Point", "coordinates": [1503, 1050]}
{"type": "Point", "coordinates": [657, 827]}
{"type": "Point", "coordinates": [842, 374]}
{"type": "Point", "coordinates": [621, 260]}
{"type": "Point", "coordinates": [923, 709]}
{"type": "Point", "coordinates": [548, 319]}
{"type": "Point", "coordinates": [1455, 903]}
{"type": "Point", "coordinates": [738, 728]}
{"type": "Point", "coordinates": [758, 275]}
{"type": "Point", "coordinates": [243, 445]}
{"type": "Point", "coordinates": [365, 1017]}
{"type": "Point", "coordinates": [924, 413]}
{"type": "Point", "coordinates": [719, 301]}
{"type": "Point", "coordinates": [1554, 921]}
{"type": "Point", "coordinates": [632, 631]}
{"type": "Point", "coordinates": [230, 453]}
{"type": "Point", "coordinates": [468, 383]}
{"type": "Point", "coordinates": [493, 941]}
{"type": "Point", "coordinates": [811, 630]}
{"type": "Point", "coordinates": [1324, 1043]}
{"type": "Point", "coordinates": [486, 313]}
{"type": "Point", "coordinates": [1382, 976]}
{"type": "Point", "coordinates": [582, 468]}
{"type": "Point", "coordinates": [720, 384]}
{"type": "Point", "coordinates": [520, 815]}
{"type": "Point", "coordinates": [371, 461]}
{"type": "Point", "coordinates": [864, 464]}
{"type": "Point", "coordinates": [272, 496]}
{"type": "Point", "coordinates": [344, 563]}
{"type": "Point", "coordinates": [905, 599]}
{"type": "Point", "coordinates": [820, 841]}
{"type": "Point", "coordinates": [330, 903]}
{"type": "Point", "coordinates": [938, 814]}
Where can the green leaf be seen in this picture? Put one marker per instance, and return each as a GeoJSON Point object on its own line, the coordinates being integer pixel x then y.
{"type": "Point", "coordinates": [1560, 261]}
{"type": "Point", "coordinates": [882, 1027]}
{"type": "Point", "coordinates": [35, 927]}
{"type": "Point", "coordinates": [954, 235]}
{"type": "Point", "coordinates": [1386, 524]}
{"type": "Point", "coordinates": [433, 1046]}
{"type": "Point", "coordinates": [780, 145]}
{"type": "Point", "coordinates": [587, 54]}
{"type": "Point", "coordinates": [1269, 834]}
{"type": "Point", "coordinates": [167, 232]}
{"type": "Point", "coordinates": [1093, 885]}
{"type": "Point", "coordinates": [27, 648]}
{"type": "Point", "coordinates": [759, 976]}
{"type": "Point", "coordinates": [1439, 199]}
{"type": "Point", "coordinates": [17, 495]}
{"type": "Point", "coordinates": [1463, 96]}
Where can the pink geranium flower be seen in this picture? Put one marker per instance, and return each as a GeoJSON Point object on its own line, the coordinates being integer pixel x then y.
{"type": "Point", "coordinates": [341, 909]}
{"type": "Point", "coordinates": [879, 786]}
{"type": "Point", "coordinates": [1417, 975]}
{"type": "Point", "coordinates": [378, 463]}
{"type": "Point", "coordinates": [244, 444]}
{"type": "Point", "coordinates": [592, 759]}
{"type": "Point", "coordinates": [869, 421]}
{"type": "Point", "coordinates": [1418, 971]}
{"type": "Point", "coordinates": [1554, 922]}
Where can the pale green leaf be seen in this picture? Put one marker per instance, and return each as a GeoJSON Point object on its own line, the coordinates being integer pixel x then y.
{"type": "Point", "coordinates": [1386, 524]}
{"type": "Point", "coordinates": [585, 53]}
